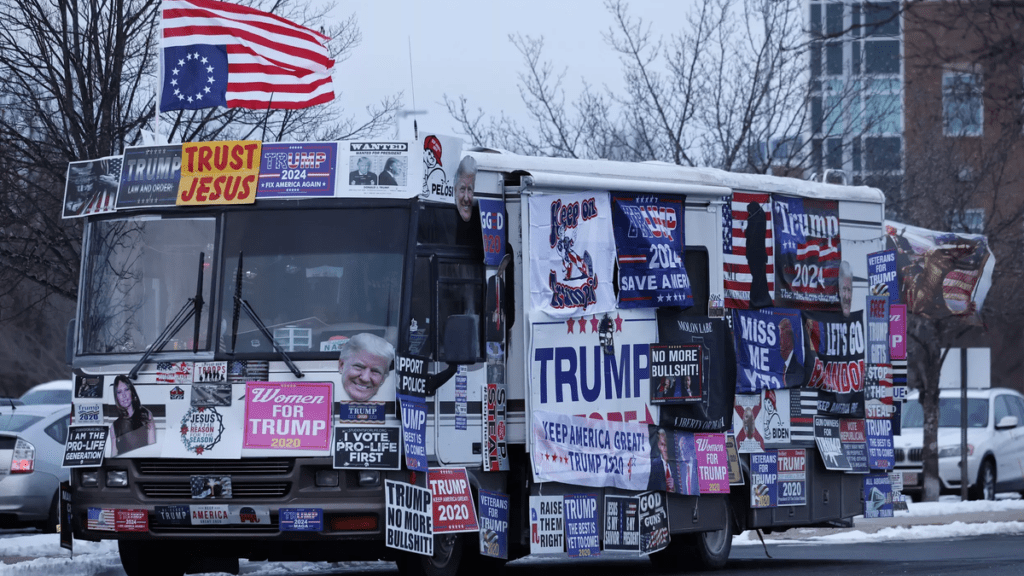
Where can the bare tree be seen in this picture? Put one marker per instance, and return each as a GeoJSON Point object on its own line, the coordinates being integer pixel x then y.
{"type": "Point", "coordinates": [80, 82]}
{"type": "Point", "coordinates": [730, 90]}
{"type": "Point", "coordinates": [964, 170]}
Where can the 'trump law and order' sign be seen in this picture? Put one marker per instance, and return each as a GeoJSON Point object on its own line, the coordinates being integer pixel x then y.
{"type": "Point", "coordinates": [590, 452]}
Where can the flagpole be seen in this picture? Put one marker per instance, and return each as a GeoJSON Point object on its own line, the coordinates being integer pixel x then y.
{"type": "Point", "coordinates": [159, 74]}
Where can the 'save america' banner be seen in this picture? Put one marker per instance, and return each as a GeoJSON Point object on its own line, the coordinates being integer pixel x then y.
{"type": "Point", "coordinates": [649, 237]}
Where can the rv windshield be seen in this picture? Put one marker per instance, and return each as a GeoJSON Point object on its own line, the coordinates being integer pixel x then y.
{"type": "Point", "coordinates": [314, 277]}
{"type": "Point", "coordinates": [140, 272]}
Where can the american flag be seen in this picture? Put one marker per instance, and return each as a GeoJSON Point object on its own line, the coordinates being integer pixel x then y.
{"type": "Point", "coordinates": [654, 541]}
{"type": "Point", "coordinates": [803, 405]}
{"type": "Point", "coordinates": [223, 54]}
{"type": "Point", "coordinates": [736, 271]}
{"type": "Point", "coordinates": [92, 186]}
{"type": "Point", "coordinates": [101, 519]}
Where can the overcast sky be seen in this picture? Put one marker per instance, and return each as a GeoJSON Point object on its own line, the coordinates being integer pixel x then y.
{"type": "Point", "coordinates": [461, 47]}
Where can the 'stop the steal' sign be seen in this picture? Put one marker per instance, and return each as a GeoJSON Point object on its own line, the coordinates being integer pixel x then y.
{"type": "Point", "coordinates": [219, 173]}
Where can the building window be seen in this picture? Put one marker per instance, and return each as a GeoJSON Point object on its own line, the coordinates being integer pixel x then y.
{"type": "Point", "coordinates": [834, 153]}
{"type": "Point", "coordinates": [882, 154]}
{"type": "Point", "coordinates": [834, 19]}
{"type": "Point", "coordinates": [971, 220]}
{"type": "Point", "coordinates": [834, 59]}
{"type": "Point", "coordinates": [882, 57]}
{"type": "Point", "coordinates": [962, 106]}
{"type": "Point", "coordinates": [882, 19]}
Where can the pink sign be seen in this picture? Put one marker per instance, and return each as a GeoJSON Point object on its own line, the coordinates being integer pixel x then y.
{"type": "Point", "coordinates": [288, 415]}
{"type": "Point", "coordinates": [898, 331]}
{"type": "Point", "coordinates": [712, 463]}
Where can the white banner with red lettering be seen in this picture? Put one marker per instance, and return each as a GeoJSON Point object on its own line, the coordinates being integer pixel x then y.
{"type": "Point", "coordinates": [590, 452]}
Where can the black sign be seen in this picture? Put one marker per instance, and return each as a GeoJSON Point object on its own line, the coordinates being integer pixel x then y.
{"type": "Point", "coordinates": [177, 515]}
{"type": "Point", "coordinates": [838, 343]}
{"type": "Point", "coordinates": [654, 534]}
{"type": "Point", "coordinates": [150, 177]}
{"type": "Point", "coordinates": [412, 376]}
{"type": "Point", "coordinates": [67, 540]}
{"type": "Point", "coordinates": [827, 437]}
{"type": "Point", "coordinates": [712, 410]}
{"type": "Point", "coordinates": [84, 446]}
{"type": "Point", "coordinates": [367, 448]}
{"type": "Point", "coordinates": [621, 528]}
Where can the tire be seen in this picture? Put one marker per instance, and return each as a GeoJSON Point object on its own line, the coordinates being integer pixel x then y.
{"type": "Point", "coordinates": [696, 551]}
{"type": "Point", "coordinates": [49, 526]}
{"type": "Point", "coordinates": [448, 553]}
{"type": "Point", "coordinates": [149, 559]}
{"type": "Point", "coordinates": [985, 487]}
{"type": "Point", "coordinates": [474, 563]}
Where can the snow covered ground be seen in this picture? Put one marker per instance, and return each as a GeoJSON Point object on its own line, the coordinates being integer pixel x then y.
{"type": "Point", "coordinates": [34, 554]}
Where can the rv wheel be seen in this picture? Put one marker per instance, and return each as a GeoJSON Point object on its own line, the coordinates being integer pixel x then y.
{"type": "Point", "coordinates": [444, 562]}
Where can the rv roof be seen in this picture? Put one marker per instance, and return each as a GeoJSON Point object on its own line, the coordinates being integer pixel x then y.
{"type": "Point", "coordinates": [562, 173]}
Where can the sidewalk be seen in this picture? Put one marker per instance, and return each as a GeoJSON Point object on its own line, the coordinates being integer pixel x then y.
{"type": "Point", "coordinates": [902, 519]}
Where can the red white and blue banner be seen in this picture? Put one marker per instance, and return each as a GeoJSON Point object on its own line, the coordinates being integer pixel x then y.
{"type": "Point", "coordinates": [807, 252]}
{"type": "Point", "coordinates": [769, 349]}
{"type": "Point", "coordinates": [297, 170]}
{"type": "Point", "coordinates": [573, 249]}
{"type": "Point", "coordinates": [649, 238]}
{"type": "Point", "coordinates": [748, 251]}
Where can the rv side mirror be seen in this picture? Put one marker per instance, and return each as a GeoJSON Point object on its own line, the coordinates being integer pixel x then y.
{"type": "Point", "coordinates": [461, 339]}
{"type": "Point", "coordinates": [69, 343]}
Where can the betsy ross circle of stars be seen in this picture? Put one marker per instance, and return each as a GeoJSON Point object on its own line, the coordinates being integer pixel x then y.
{"type": "Point", "coordinates": [202, 61]}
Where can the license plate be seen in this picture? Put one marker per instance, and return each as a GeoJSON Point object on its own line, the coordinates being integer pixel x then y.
{"type": "Point", "coordinates": [910, 478]}
{"type": "Point", "coordinates": [211, 487]}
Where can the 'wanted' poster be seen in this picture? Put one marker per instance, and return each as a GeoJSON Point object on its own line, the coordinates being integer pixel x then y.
{"type": "Point", "coordinates": [377, 169]}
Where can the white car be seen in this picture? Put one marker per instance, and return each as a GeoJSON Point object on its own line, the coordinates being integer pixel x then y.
{"type": "Point", "coordinates": [31, 453]}
{"type": "Point", "coordinates": [995, 442]}
{"type": "Point", "coordinates": [53, 393]}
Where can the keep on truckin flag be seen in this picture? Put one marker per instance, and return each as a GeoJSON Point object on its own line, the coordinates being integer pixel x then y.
{"type": "Point", "coordinates": [223, 54]}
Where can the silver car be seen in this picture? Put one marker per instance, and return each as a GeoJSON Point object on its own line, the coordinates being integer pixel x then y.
{"type": "Point", "coordinates": [31, 453]}
{"type": "Point", "coordinates": [995, 442]}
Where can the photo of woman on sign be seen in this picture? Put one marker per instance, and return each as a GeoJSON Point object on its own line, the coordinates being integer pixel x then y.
{"type": "Point", "coordinates": [134, 426]}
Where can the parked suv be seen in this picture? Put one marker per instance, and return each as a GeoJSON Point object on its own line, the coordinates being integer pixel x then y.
{"type": "Point", "coordinates": [995, 442]}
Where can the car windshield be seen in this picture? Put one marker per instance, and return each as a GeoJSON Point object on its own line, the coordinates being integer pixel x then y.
{"type": "Point", "coordinates": [314, 277]}
{"type": "Point", "coordinates": [949, 413]}
{"type": "Point", "coordinates": [14, 422]}
{"type": "Point", "coordinates": [46, 397]}
{"type": "Point", "coordinates": [139, 273]}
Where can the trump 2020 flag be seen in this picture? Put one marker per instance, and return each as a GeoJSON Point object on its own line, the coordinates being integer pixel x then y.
{"type": "Point", "coordinates": [223, 54]}
{"type": "Point", "coordinates": [649, 236]}
{"type": "Point", "coordinates": [573, 253]}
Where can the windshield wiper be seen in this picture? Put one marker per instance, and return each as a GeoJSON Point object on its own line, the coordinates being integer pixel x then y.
{"type": "Point", "coordinates": [243, 305]}
{"type": "Point", "coordinates": [194, 307]}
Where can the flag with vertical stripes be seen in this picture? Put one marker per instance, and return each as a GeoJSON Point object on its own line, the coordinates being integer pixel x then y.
{"type": "Point", "coordinates": [748, 262]}
{"type": "Point", "coordinates": [224, 54]}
